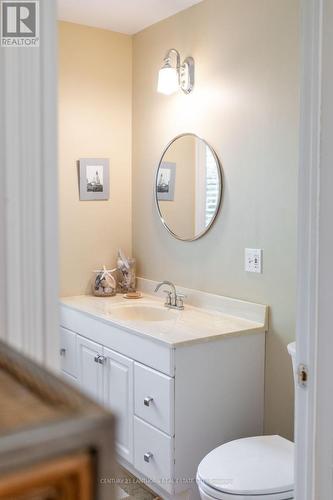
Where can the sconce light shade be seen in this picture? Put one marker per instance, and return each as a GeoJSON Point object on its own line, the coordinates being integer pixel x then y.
{"type": "Point", "coordinates": [171, 79]}
{"type": "Point", "coordinates": [168, 81]}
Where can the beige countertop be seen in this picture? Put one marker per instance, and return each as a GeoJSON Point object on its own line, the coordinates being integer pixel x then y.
{"type": "Point", "coordinates": [191, 325]}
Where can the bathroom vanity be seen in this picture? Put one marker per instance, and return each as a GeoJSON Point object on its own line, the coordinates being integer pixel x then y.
{"type": "Point", "coordinates": [180, 382]}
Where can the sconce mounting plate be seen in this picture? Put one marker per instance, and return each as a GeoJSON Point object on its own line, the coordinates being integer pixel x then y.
{"type": "Point", "coordinates": [187, 75]}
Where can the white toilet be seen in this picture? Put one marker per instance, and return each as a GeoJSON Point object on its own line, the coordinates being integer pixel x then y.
{"type": "Point", "coordinates": [255, 468]}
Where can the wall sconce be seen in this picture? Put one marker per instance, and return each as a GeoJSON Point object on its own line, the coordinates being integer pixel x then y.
{"type": "Point", "coordinates": [170, 78]}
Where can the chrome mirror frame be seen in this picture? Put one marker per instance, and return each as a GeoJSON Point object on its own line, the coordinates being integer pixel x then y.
{"type": "Point", "coordinates": [219, 202]}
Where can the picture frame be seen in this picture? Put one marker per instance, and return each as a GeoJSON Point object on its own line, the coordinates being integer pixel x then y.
{"type": "Point", "coordinates": [94, 181]}
{"type": "Point", "coordinates": [166, 180]}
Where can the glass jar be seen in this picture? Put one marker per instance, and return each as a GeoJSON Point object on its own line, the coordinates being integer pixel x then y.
{"type": "Point", "coordinates": [103, 283]}
{"type": "Point", "coordinates": [126, 275]}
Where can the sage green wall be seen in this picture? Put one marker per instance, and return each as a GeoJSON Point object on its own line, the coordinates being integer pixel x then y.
{"type": "Point", "coordinates": [246, 105]}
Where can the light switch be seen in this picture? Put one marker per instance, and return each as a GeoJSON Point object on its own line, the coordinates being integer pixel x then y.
{"type": "Point", "coordinates": [253, 260]}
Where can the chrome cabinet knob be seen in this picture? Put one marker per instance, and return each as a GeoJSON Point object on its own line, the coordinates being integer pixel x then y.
{"type": "Point", "coordinates": [148, 456]}
{"type": "Point", "coordinates": [148, 400]}
{"type": "Point", "coordinates": [100, 359]}
{"type": "Point", "coordinates": [62, 351]}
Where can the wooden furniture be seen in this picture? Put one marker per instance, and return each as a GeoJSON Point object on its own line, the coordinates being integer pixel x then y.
{"type": "Point", "coordinates": [55, 444]}
{"type": "Point", "coordinates": [65, 478]}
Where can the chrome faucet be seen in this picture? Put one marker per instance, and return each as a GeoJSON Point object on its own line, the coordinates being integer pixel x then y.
{"type": "Point", "coordinates": [173, 300]}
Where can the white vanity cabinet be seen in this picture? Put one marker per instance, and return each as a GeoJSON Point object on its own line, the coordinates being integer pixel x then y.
{"type": "Point", "coordinates": [118, 396]}
{"type": "Point", "coordinates": [68, 354]}
{"type": "Point", "coordinates": [104, 375]}
{"type": "Point", "coordinates": [90, 370]}
{"type": "Point", "coordinates": [107, 377]}
{"type": "Point", "coordinates": [154, 398]}
{"type": "Point", "coordinates": [174, 402]}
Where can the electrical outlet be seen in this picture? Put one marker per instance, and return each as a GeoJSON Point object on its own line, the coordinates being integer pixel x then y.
{"type": "Point", "coordinates": [253, 260]}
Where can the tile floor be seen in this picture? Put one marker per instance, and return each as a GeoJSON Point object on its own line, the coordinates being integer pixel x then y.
{"type": "Point", "coordinates": [129, 488]}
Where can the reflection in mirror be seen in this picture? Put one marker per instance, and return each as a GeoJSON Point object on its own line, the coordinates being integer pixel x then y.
{"type": "Point", "coordinates": [188, 187]}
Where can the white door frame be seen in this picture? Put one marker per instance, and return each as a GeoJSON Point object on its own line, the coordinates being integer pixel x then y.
{"type": "Point", "coordinates": [40, 339]}
{"type": "Point", "coordinates": [28, 195]}
{"type": "Point", "coordinates": [309, 239]}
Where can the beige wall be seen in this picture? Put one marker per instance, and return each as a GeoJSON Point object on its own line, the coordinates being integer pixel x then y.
{"type": "Point", "coordinates": [95, 113]}
{"type": "Point", "coordinates": [246, 105]}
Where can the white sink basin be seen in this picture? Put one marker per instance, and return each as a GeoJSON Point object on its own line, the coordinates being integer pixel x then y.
{"type": "Point", "coordinates": [142, 313]}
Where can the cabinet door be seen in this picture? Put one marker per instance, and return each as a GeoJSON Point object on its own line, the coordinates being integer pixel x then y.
{"type": "Point", "coordinates": [90, 368]}
{"type": "Point", "coordinates": [118, 396]}
{"type": "Point", "coordinates": [68, 353]}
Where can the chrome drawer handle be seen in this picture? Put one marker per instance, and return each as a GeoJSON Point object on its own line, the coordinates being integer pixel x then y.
{"type": "Point", "coordinates": [148, 400]}
{"type": "Point", "coordinates": [96, 359]}
{"type": "Point", "coordinates": [62, 351]}
{"type": "Point", "coordinates": [147, 456]}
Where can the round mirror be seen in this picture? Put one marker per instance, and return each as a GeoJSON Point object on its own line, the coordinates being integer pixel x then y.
{"type": "Point", "coordinates": [188, 187]}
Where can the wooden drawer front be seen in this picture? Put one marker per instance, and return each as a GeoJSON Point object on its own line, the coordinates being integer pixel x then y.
{"type": "Point", "coordinates": [69, 478]}
{"type": "Point", "coordinates": [160, 388]}
{"type": "Point", "coordinates": [148, 440]}
{"type": "Point", "coordinates": [68, 352]}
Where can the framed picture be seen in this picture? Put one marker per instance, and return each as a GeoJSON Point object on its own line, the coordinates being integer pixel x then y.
{"type": "Point", "coordinates": [94, 178]}
{"type": "Point", "coordinates": [166, 179]}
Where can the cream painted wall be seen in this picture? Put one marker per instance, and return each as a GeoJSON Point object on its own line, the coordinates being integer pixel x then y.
{"type": "Point", "coordinates": [246, 104]}
{"type": "Point", "coordinates": [95, 114]}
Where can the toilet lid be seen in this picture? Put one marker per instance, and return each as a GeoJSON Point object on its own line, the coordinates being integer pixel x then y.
{"type": "Point", "coordinates": [250, 466]}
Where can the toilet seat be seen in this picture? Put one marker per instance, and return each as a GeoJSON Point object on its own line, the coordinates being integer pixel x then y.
{"type": "Point", "coordinates": [249, 468]}
{"type": "Point", "coordinates": [208, 493]}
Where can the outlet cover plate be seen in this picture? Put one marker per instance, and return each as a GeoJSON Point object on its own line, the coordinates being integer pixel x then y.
{"type": "Point", "coordinates": [253, 260]}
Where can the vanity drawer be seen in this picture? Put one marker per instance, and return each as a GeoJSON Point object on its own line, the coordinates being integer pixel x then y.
{"type": "Point", "coordinates": [154, 397]}
{"type": "Point", "coordinates": [68, 352]}
{"type": "Point", "coordinates": [153, 454]}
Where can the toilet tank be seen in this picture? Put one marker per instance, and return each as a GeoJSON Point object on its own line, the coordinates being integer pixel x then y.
{"type": "Point", "coordinates": [292, 351]}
